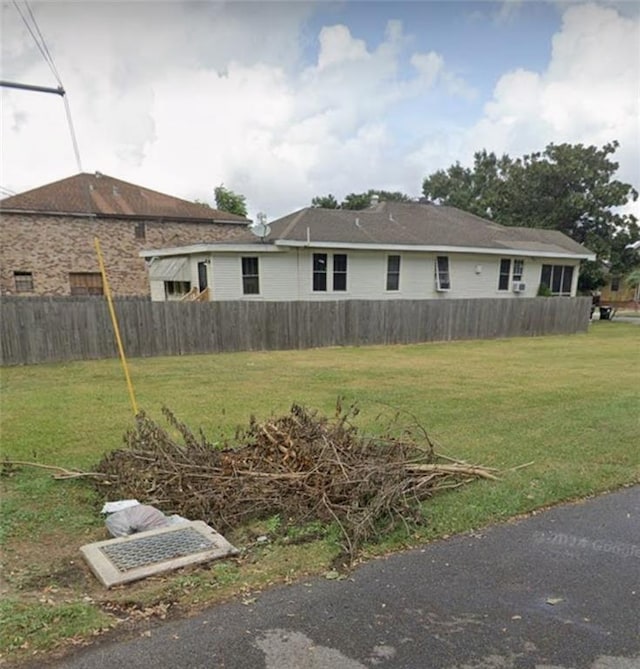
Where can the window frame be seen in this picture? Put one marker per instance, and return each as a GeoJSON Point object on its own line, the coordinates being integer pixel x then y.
{"type": "Point", "coordinates": [250, 275]}
{"type": "Point", "coordinates": [86, 289]}
{"type": "Point", "coordinates": [504, 274]}
{"type": "Point", "coordinates": [140, 230]}
{"type": "Point", "coordinates": [170, 289]}
{"type": "Point", "coordinates": [319, 274]}
{"type": "Point", "coordinates": [23, 281]}
{"type": "Point", "coordinates": [556, 279]}
{"type": "Point", "coordinates": [443, 274]}
{"type": "Point", "coordinates": [518, 270]}
{"type": "Point", "coordinates": [393, 274]}
{"type": "Point", "coordinates": [339, 273]}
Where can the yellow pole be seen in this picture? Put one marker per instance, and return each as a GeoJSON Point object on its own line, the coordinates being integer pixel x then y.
{"type": "Point", "coordinates": [116, 329]}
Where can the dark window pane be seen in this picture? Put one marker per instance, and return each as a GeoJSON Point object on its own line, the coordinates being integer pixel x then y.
{"type": "Point", "coordinates": [567, 277]}
{"type": "Point", "coordinates": [393, 272]}
{"type": "Point", "coordinates": [545, 276]}
{"type": "Point", "coordinates": [340, 262]}
{"type": "Point", "coordinates": [505, 271]}
{"type": "Point", "coordinates": [340, 282]}
{"type": "Point", "coordinates": [340, 271]}
{"type": "Point", "coordinates": [176, 288]}
{"type": "Point", "coordinates": [85, 283]}
{"type": "Point", "coordinates": [319, 271]}
{"type": "Point", "coordinates": [319, 262]}
{"type": "Point", "coordinates": [518, 269]}
{"type": "Point", "coordinates": [23, 281]}
{"type": "Point", "coordinates": [443, 273]}
{"type": "Point", "coordinates": [556, 279]}
{"type": "Point", "coordinates": [250, 276]}
{"type": "Point", "coordinates": [249, 266]}
{"type": "Point", "coordinates": [251, 285]}
{"type": "Point", "coordinates": [615, 284]}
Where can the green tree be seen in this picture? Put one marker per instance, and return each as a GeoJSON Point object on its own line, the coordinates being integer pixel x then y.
{"type": "Point", "coordinates": [633, 281]}
{"type": "Point", "coordinates": [359, 200]}
{"type": "Point", "coordinates": [566, 187]}
{"type": "Point", "coordinates": [356, 201]}
{"type": "Point", "coordinates": [227, 200]}
{"type": "Point", "coordinates": [325, 202]}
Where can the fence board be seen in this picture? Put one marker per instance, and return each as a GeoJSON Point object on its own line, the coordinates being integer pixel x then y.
{"type": "Point", "coordinates": [47, 329]}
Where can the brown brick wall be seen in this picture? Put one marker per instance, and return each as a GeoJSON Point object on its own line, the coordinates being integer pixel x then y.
{"type": "Point", "coordinates": [53, 246]}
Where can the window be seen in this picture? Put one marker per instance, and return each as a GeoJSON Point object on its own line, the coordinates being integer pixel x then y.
{"type": "Point", "coordinates": [557, 278]}
{"type": "Point", "coordinates": [174, 290]}
{"type": "Point", "coordinates": [319, 271]}
{"type": "Point", "coordinates": [506, 276]}
{"type": "Point", "coordinates": [615, 284]}
{"type": "Point", "coordinates": [140, 230]}
{"type": "Point", "coordinates": [393, 272]}
{"type": "Point", "coordinates": [24, 282]}
{"type": "Point", "coordinates": [340, 271]}
{"type": "Point", "coordinates": [518, 269]}
{"type": "Point", "coordinates": [250, 276]}
{"type": "Point", "coordinates": [86, 283]}
{"type": "Point", "coordinates": [505, 273]}
{"type": "Point", "coordinates": [443, 282]}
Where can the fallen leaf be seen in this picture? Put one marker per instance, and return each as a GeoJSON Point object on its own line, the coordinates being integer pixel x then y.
{"type": "Point", "coordinates": [332, 575]}
{"type": "Point", "coordinates": [554, 600]}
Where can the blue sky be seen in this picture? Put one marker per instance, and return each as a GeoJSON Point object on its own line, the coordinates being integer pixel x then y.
{"type": "Point", "coordinates": [284, 101]}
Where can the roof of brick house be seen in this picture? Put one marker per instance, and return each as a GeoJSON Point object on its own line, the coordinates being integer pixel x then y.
{"type": "Point", "coordinates": [104, 196]}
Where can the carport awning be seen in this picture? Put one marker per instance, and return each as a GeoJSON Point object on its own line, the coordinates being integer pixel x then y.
{"type": "Point", "coordinates": [169, 269]}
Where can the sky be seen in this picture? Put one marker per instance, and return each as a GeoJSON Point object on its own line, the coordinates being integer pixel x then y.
{"type": "Point", "coordinates": [283, 101]}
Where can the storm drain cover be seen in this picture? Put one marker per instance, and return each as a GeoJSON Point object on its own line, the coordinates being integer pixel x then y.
{"type": "Point", "coordinates": [140, 555]}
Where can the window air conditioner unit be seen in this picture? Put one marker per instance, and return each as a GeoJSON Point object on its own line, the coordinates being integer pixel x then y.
{"type": "Point", "coordinates": [519, 286]}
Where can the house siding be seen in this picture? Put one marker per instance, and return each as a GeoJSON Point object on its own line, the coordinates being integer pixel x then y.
{"type": "Point", "coordinates": [50, 247]}
{"type": "Point", "coordinates": [287, 276]}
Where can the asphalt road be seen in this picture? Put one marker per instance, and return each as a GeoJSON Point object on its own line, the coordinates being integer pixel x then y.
{"type": "Point", "coordinates": [559, 590]}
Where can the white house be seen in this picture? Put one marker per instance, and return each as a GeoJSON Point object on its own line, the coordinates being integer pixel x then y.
{"type": "Point", "coordinates": [391, 251]}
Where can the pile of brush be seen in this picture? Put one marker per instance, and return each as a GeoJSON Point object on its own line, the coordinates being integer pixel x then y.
{"type": "Point", "coordinates": [302, 466]}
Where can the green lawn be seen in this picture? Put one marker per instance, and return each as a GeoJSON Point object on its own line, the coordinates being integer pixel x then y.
{"type": "Point", "coordinates": [568, 403]}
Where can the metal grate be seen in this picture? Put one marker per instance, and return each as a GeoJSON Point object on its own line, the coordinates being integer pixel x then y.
{"type": "Point", "coordinates": [151, 549]}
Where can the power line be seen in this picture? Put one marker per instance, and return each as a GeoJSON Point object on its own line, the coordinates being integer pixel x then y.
{"type": "Point", "coordinates": [40, 42]}
{"type": "Point", "coordinates": [49, 57]}
{"type": "Point", "coordinates": [38, 39]}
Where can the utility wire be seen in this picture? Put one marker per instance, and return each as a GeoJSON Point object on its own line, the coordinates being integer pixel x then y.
{"type": "Point", "coordinates": [40, 42]}
{"type": "Point", "coordinates": [38, 39]}
{"type": "Point", "coordinates": [72, 132]}
{"type": "Point", "coordinates": [48, 57]}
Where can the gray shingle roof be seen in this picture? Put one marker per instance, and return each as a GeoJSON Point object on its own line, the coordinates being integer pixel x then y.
{"type": "Point", "coordinates": [414, 224]}
{"type": "Point", "coordinates": [103, 195]}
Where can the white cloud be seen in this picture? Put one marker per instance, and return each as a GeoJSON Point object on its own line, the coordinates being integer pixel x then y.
{"type": "Point", "coordinates": [588, 93]}
{"type": "Point", "coordinates": [183, 96]}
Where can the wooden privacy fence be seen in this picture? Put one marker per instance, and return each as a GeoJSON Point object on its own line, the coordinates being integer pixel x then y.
{"type": "Point", "coordinates": [48, 329]}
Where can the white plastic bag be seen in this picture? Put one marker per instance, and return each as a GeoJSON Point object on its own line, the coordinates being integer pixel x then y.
{"type": "Point", "coordinates": [138, 518]}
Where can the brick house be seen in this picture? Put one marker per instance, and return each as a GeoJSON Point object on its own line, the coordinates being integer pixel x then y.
{"type": "Point", "coordinates": [47, 235]}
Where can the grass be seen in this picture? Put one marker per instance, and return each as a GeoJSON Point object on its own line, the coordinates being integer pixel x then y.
{"type": "Point", "coordinates": [570, 404]}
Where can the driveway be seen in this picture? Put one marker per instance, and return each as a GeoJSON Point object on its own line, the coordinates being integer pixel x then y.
{"type": "Point", "coordinates": [557, 590]}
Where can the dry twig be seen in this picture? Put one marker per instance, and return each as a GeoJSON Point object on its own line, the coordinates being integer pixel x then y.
{"type": "Point", "coordinates": [301, 466]}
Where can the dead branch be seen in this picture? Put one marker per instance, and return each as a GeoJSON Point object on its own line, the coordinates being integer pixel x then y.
{"type": "Point", "coordinates": [301, 466]}
{"type": "Point", "coordinates": [63, 473]}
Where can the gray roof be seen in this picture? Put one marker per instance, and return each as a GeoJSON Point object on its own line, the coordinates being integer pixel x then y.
{"type": "Point", "coordinates": [392, 224]}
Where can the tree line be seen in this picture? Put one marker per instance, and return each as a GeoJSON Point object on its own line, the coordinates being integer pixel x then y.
{"type": "Point", "coordinates": [567, 187]}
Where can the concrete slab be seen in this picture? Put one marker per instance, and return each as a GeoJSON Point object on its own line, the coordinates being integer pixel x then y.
{"type": "Point", "coordinates": [127, 559]}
